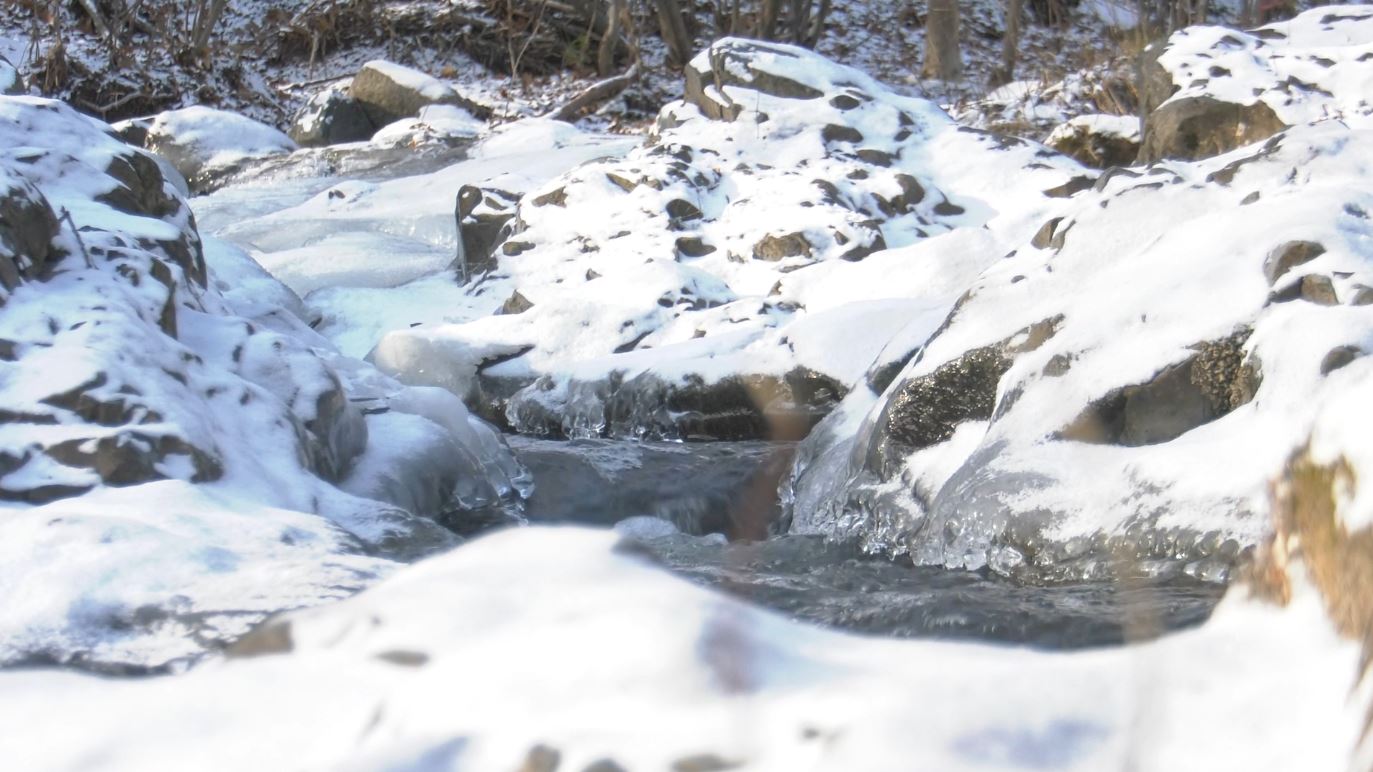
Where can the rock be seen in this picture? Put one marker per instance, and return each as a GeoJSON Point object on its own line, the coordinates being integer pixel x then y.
{"type": "Point", "coordinates": [1338, 357]}
{"type": "Point", "coordinates": [515, 304]}
{"type": "Point", "coordinates": [1155, 82]}
{"type": "Point", "coordinates": [389, 92]}
{"type": "Point", "coordinates": [11, 83]}
{"type": "Point", "coordinates": [744, 64]}
{"type": "Point", "coordinates": [1287, 256]}
{"type": "Point", "coordinates": [1202, 126]}
{"type": "Point", "coordinates": [1099, 141]}
{"type": "Point", "coordinates": [331, 117]}
{"type": "Point", "coordinates": [27, 229]}
{"type": "Point", "coordinates": [206, 145]}
{"type": "Point", "coordinates": [774, 247]}
{"type": "Point", "coordinates": [1180, 398]}
{"type": "Point", "coordinates": [485, 218]}
{"type": "Point", "coordinates": [133, 457]}
{"type": "Point", "coordinates": [925, 410]}
{"type": "Point", "coordinates": [541, 758]}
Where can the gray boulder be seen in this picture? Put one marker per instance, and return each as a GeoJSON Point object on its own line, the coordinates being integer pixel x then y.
{"type": "Point", "coordinates": [331, 117]}
{"type": "Point", "coordinates": [389, 92]}
{"type": "Point", "coordinates": [1201, 127]}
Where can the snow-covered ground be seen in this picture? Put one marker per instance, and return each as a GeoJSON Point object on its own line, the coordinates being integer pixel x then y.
{"type": "Point", "coordinates": [554, 637]}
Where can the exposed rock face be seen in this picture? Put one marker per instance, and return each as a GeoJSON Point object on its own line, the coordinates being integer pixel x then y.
{"type": "Point", "coordinates": [1210, 89]}
{"type": "Point", "coordinates": [389, 92]}
{"type": "Point", "coordinates": [1200, 127]}
{"type": "Point", "coordinates": [28, 228]}
{"type": "Point", "coordinates": [331, 117]}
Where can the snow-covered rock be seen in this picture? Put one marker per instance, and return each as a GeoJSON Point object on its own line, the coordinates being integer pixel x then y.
{"type": "Point", "coordinates": [1117, 393]}
{"type": "Point", "coordinates": [205, 144]}
{"type": "Point", "coordinates": [699, 286]}
{"type": "Point", "coordinates": [331, 117]}
{"type": "Point", "coordinates": [389, 92]}
{"type": "Point", "coordinates": [546, 648]}
{"type": "Point", "coordinates": [173, 413]}
{"type": "Point", "coordinates": [1212, 89]}
{"type": "Point", "coordinates": [1099, 141]}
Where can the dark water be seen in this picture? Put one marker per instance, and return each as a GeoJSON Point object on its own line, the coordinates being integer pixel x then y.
{"type": "Point", "coordinates": [730, 488]}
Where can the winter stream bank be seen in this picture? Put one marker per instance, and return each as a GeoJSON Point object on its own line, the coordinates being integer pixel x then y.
{"type": "Point", "coordinates": [365, 235]}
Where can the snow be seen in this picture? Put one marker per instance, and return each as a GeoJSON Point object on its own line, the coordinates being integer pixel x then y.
{"type": "Point", "coordinates": [412, 80]}
{"type": "Point", "coordinates": [434, 122]}
{"type": "Point", "coordinates": [191, 433]}
{"type": "Point", "coordinates": [616, 659]}
{"type": "Point", "coordinates": [1310, 68]}
{"type": "Point", "coordinates": [201, 138]}
{"type": "Point", "coordinates": [1124, 126]}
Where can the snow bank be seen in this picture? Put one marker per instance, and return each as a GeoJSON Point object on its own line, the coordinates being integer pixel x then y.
{"type": "Point", "coordinates": [1310, 68]}
{"type": "Point", "coordinates": [620, 661]}
{"type": "Point", "coordinates": [691, 269]}
{"type": "Point", "coordinates": [1117, 393]}
{"type": "Point", "coordinates": [166, 406]}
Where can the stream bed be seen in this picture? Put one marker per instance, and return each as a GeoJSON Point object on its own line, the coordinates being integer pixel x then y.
{"type": "Point", "coordinates": [702, 510]}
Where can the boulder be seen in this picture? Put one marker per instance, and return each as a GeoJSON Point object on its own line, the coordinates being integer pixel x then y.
{"type": "Point", "coordinates": [205, 145]}
{"type": "Point", "coordinates": [389, 92]}
{"type": "Point", "coordinates": [1099, 141]}
{"type": "Point", "coordinates": [1202, 126]}
{"type": "Point", "coordinates": [753, 65]}
{"type": "Point", "coordinates": [331, 117]}
{"type": "Point", "coordinates": [485, 218]}
{"type": "Point", "coordinates": [28, 227]}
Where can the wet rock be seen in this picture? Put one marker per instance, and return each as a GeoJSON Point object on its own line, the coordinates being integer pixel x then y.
{"type": "Point", "coordinates": [1202, 127]}
{"type": "Point", "coordinates": [331, 117]}
{"type": "Point", "coordinates": [775, 247]}
{"type": "Point", "coordinates": [925, 410]}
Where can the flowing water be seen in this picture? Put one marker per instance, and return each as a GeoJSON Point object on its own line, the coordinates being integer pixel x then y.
{"type": "Point", "coordinates": [703, 510]}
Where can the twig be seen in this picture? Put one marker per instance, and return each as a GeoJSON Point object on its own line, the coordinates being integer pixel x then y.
{"type": "Point", "coordinates": [66, 215]}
